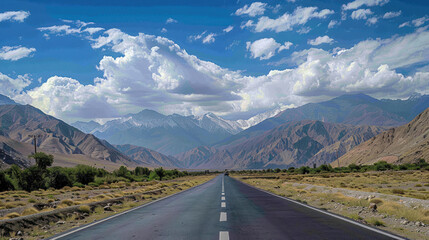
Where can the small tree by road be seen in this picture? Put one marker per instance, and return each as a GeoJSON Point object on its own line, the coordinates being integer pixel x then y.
{"type": "Point", "coordinates": [43, 160]}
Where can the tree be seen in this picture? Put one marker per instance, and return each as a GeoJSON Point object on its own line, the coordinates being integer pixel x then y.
{"type": "Point", "coordinates": [5, 183]}
{"type": "Point", "coordinates": [43, 160]}
{"type": "Point", "coordinates": [32, 179]}
{"type": "Point", "coordinates": [85, 174]}
{"type": "Point", "coordinates": [122, 172]}
{"type": "Point", "coordinates": [59, 178]}
{"type": "Point", "coordinates": [160, 172]}
{"type": "Point", "coordinates": [139, 171]}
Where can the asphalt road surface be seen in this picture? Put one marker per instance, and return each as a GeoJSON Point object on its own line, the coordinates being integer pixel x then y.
{"type": "Point", "coordinates": [225, 208]}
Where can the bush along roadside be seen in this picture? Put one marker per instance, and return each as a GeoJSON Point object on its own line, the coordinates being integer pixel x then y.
{"type": "Point", "coordinates": [43, 176]}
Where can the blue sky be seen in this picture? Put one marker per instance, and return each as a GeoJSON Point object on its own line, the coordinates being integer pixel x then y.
{"type": "Point", "coordinates": [289, 53]}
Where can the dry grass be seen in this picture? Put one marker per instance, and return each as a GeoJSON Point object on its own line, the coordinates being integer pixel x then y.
{"type": "Point", "coordinates": [85, 209]}
{"type": "Point", "coordinates": [12, 215]}
{"type": "Point", "coordinates": [29, 211]}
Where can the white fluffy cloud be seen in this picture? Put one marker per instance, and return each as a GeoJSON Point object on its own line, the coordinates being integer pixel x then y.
{"type": "Point", "coordinates": [228, 29]}
{"type": "Point", "coordinates": [255, 9]}
{"type": "Point", "coordinates": [333, 23]}
{"type": "Point", "coordinates": [392, 14]}
{"type": "Point", "coordinates": [154, 72]}
{"type": "Point", "coordinates": [11, 87]}
{"type": "Point", "coordinates": [93, 30]}
{"type": "Point", "coordinates": [210, 38]}
{"type": "Point", "coordinates": [18, 16]}
{"type": "Point", "coordinates": [79, 28]}
{"type": "Point", "coordinates": [320, 40]}
{"type": "Point", "coordinates": [359, 3]}
{"type": "Point", "coordinates": [171, 20]}
{"type": "Point", "coordinates": [420, 21]}
{"type": "Point", "coordinates": [266, 48]}
{"type": "Point", "coordinates": [361, 14]}
{"type": "Point", "coordinates": [416, 22]}
{"type": "Point", "coordinates": [15, 53]}
{"type": "Point", "coordinates": [287, 21]}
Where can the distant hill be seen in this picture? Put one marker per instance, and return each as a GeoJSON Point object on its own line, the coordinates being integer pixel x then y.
{"type": "Point", "coordinates": [148, 157]}
{"type": "Point", "coordinates": [355, 109]}
{"type": "Point", "coordinates": [17, 122]}
{"type": "Point", "coordinates": [291, 144]}
{"type": "Point", "coordinates": [402, 144]}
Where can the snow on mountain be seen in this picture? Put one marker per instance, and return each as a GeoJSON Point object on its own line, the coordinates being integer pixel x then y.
{"type": "Point", "coordinates": [245, 124]}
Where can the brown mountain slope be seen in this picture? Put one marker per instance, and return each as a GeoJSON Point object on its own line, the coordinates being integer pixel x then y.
{"type": "Point", "coordinates": [291, 144]}
{"type": "Point", "coordinates": [147, 156]}
{"type": "Point", "coordinates": [402, 144]}
{"type": "Point", "coordinates": [19, 151]}
{"type": "Point", "coordinates": [17, 122]}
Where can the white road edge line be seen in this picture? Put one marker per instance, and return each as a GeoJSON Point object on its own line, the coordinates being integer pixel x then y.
{"type": "Point", "coordinates": [122, 213]}
{"type": "Point", "coordinates": [331, 214]}
{"type": "Point", "coordinates": [223, 235]}
{"type": "Point", "coordinates": [222, 198]}
{"type": "Point", "coordinates": [223, 204]}
{"type": "Point", "coordinates": [222, 217]}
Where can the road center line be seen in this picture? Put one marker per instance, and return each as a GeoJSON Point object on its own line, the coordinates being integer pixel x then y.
{"type": "Point", "coordinates": [223, 204]}
{"type": "Point", "coordinates": [222, 198]}
{"type": "Point", "coordinates": [223, 235]}
{"type": "Point", "coordinates": [223, 194]}
{"type": "Point", "coordinates": [222, 217]}
{"type": "Point", "coordinates": [223, 185]}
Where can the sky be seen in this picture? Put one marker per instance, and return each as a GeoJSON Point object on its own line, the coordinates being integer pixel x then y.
{"type": "Point", "coordinates": [85, 60]}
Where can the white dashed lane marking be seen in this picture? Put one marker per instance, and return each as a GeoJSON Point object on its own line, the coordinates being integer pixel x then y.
{"type": "Point", "coordinates": [223, 204]}
{"type": "Point", "coordinates": [223, 235]}
{"type": "Point", "coordinates": [222, 198]}
{"type": "Point", "coordinates": [222, 217]}
{"type": "Point", "coordinates": [223, 194]}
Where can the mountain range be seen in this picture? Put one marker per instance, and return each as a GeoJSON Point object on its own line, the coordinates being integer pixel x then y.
{"type": "Point", "coordinates": [355, 109]}
{"type": "Point", "coordinates": [291, 144]}
{"type": "Point", "coordinates": [169, 135]}
{"type": "Point", "coordinates": [314, 133]}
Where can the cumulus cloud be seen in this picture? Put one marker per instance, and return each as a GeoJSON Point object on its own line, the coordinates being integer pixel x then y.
{"type": "Point", "coordinates": [359, 3]}
{"type": "Point", "coordinates": [247, 24]}
{"type": "Point", "coordinates": [228, 29]}
{"type": "Point", "coordinates": [304, 30]}
{"type": "Point", "coordinates": [266, 48]}
{"type": "Point", "coordinates": [392, 14]}
{"type": "Point", "coordinates": [287, 21]}
{"type": "Point", "coordinates": [13, 86]}
{"type": "Point", "coordinates": [15, 53]}
{"type": "Point", "coordinates": [372, 21]}
{"type": "Point", "coordinates": [93, 30]}
{"type": "Point", "coordinates": [255, 9]}
{"type": "Point", "coordinates": [405, 24]}
{"type": "Point", "coordinates": [154, 72]}
{"type": "Point", "coordinates": [59, 29]}
{"type": "Point", "coordinates": [361, 14]}
{"type": "Point", "coordinates": [416, 22]}
{"type": "Point", "coordinates": [17, 16]}
{"type": "Point", "coordinates": [170, 20]}
{"type": "Point", "coordinates": [333, 23]}
{"type": "Point", "coordinates": [79, 28]}
{"type": "Point", "coordinates": [320, 40]}
{"type": "Point", "coordinates": [210, 38]}
{"type": "Point", "coordinates": [420, 21]}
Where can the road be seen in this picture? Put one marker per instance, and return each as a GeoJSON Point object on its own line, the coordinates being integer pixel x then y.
{"type": "Point", "coordinates": [224, 208]}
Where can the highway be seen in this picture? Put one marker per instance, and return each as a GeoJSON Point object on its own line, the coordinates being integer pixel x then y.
{"type": "Point", "coordinates": [224, 208]}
